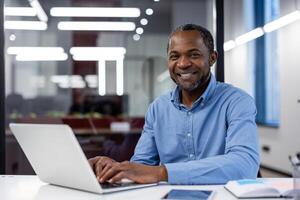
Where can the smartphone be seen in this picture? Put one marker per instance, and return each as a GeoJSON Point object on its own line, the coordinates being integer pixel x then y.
{"type": "Point", "coordinates": [189, 194]}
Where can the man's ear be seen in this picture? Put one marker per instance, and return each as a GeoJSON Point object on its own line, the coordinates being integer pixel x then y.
{"type": "Point", "coordinates": [213, 58]}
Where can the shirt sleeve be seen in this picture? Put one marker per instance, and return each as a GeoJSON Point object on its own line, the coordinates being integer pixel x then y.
{"type": "Point", "coordinates": [241, 157]}
{"type": "Point", "coordinates": [146, 151]}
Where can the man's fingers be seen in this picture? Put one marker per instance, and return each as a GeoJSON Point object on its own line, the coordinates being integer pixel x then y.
{"type": "Point", "coordinates": [92, 161]}
{"type": "Point", "coordinates": [105, 169]}
{"type": "Point", "coordinates": [118, 177]}
{"type": "Point", "coordinates": [110, 173]}
{"type": "Point", "coordinates": [98, 168]}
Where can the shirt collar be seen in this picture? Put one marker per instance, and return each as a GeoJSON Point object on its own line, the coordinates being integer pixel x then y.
{"type": "Point", "coordinates": [175, 94]}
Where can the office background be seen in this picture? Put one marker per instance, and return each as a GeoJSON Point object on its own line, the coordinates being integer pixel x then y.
{"type": "Point", "coordinates": [266, 67]}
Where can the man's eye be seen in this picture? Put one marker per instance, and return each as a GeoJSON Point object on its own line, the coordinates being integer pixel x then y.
{"type": "Point", "coordinates": [195, 55]}
{"type": "Point", "coordinates": [173, 57]}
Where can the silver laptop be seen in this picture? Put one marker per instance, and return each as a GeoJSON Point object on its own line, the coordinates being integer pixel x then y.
{"type": "Point", "coordinates": [57, 158]}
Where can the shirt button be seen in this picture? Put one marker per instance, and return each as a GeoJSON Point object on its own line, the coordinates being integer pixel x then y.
{"type": "Point", "coordinates": [202, 104]}
{"type": "Point", "coordinates": [189, 135]}
{"type": "Point", "coordinates": [191, 155]}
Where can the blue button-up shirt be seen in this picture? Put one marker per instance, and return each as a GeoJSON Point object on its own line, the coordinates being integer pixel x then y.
{"type": "Point", "coordinates": [212, 142]}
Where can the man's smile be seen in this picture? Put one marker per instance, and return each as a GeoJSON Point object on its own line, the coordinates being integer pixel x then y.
{"type": "Point", "coordinates": [186, 75]}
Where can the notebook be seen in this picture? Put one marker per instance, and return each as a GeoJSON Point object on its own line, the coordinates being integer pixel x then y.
{"type": "Point", "coordinates": [261, 188]}
{"type": "Point", "coordinates": [57, 158]}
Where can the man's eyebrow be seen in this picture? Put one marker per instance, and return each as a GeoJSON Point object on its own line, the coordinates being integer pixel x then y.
{"type": "Point", "coordinates": [195, 49]}
{"type": "Point", "coordinates": [173, 51]}
{"type": "Point", "coordinates": [189, 51]}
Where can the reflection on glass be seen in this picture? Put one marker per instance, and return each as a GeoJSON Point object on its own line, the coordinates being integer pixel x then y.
{"type": "Point", "coordinates": [114, 76]}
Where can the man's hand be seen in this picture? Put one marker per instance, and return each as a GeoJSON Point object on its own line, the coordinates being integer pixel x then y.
{"type": "Point", "coordinates": [100, 165]}
{"type": "Point", "coordinates": [138, 173]}
{"type": "Point", "coordinates": [107, 169]}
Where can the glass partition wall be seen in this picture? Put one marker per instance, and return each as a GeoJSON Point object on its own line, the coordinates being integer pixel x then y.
{"type": "Point", "coordinates": [92, 64]}
{"type": "Point", "coordinates": [261, 42]}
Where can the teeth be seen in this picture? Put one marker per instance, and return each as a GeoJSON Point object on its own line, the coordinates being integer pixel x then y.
{"type": "Point", "coordinates": [186, 75]}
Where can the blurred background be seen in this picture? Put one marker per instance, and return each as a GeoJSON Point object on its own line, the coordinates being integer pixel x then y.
{"type": "Point", "coordinates": [96, 65]}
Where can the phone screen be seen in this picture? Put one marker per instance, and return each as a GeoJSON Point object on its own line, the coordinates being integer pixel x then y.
{"type": "Point", "coordinates": [189, 194]}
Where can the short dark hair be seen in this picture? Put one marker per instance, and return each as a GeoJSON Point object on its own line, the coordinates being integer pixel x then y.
{"type": "Point", "coordinates": [205, 34]}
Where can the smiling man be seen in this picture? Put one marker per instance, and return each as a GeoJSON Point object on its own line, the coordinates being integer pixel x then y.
{"type": "Point", "coordinates": [202, 132]}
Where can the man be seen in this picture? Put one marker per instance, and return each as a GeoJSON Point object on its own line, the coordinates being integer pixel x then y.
{"type": "Point", "coordinates": [202, 132]}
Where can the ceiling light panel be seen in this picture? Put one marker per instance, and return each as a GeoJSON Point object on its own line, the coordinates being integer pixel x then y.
{"type": "Point", "coordinates": [229, 45]}
{"type": "Point", "coordinates": [34, 50]}
{"type": "Point", "coordinates": [42, 57]}
{"type": "Point", "coordinates": [94, 12]}
{"type": "Point", "coordinates": [19, 11]}
{"type": "Point", "coordinates": [35, 4]}
{"type": "Point", "coordinates": [98, 50]}
{"type": "Point", "coordinates": [282, 21]}
{"type": "Point", "coordinates": [149, 11]}
{"type": "Point", "coordinates": [25, 25]}
{"type": "Point", "coordinates": [96, 26]}
{"type": "Point", "coordinates": [251, 35]}
{"type": "Point", "coordinates": [97, 53]}
{"type": "Point", "coordinates": [38, 53]}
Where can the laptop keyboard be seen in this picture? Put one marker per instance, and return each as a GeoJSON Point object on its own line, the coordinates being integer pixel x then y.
{"type": "Point", "coordinates": [108, 185]}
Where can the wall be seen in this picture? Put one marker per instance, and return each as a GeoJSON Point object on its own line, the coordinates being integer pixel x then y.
{"type": "Point", "coordinates": [236, 23]}
{"type": "Point", "coordinates": [282, 141]}
{"type": "Point", "coordinates": [138, 83]}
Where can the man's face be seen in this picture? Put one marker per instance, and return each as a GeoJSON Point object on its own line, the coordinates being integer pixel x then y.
{"type": "Point", "coordinates": [189, 60]}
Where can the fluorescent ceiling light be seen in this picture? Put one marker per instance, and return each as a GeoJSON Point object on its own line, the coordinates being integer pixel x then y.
{"type": "Point", "coordinates": [101, 78]}
{"type": "Point", "coordinates": [74, 81]}
{"type": "Point", "coordinates": [144, 21]}
{"type": "Point", "coordinates": [72, 85]}
{"type": "Point", "coordinates": [34, 50]}
{"type": "Point", "coordinates": [251, 35]}
{"type": "Point", "coordinates": [97, 50]}
{"type": "Point", "coordinates": [38, 53]}
{"type": "Point", "coordinates": [149, 11]}
{"type": "Point", "coordinates": [12, 37]}
{"type": "Point", "coordinates": [282, 21]}
{"type": "Point", "coordinates": [65, 81]}
{"type": "Point", "coordinates": [92, 80]}
{"type": "Point", "coordinates": [163, 76]}
{"type": "Point", "coordinates": [94, 12]}
{"type": "Point", "coordinates": [136, 37]}
{"type": "Point", "coordinates": [96, 26]}
{"type": "Point", "coordinates": [96, 58]}
{"type": "Point", "coordinates": [139, 30]}
{"type": "Point", "coordinates": [42, 57]}
{"type": "Point", "coordinates": [59, 78]}
{"type": "Point", "coordinates": [229, 45]}
{"type": "Point", "coordinates": [19, 11]}
{"type": "Point", "coordinates": [120, 77]}
{"type": "Point", "coordinates": [97, 53]}
{"type": "Point", "coordinates": [39, 10]}
{"type": "Point", "coordinates": [25, 25]}
{"type": "Point", "coordinates": [271, 26]}
{"type": "Point", "coordinates": [102, 54]}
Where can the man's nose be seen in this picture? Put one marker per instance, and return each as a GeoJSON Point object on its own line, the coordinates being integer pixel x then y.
{"type": "Point", "coordinates": [184, 62]}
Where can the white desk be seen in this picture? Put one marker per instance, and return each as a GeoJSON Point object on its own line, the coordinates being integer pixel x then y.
{"type": "Point", "coordinates": [31, 188]}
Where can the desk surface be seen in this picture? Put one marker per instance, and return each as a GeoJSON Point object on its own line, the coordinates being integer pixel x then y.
{"type": "Point", "coordinates": [31, 188]}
